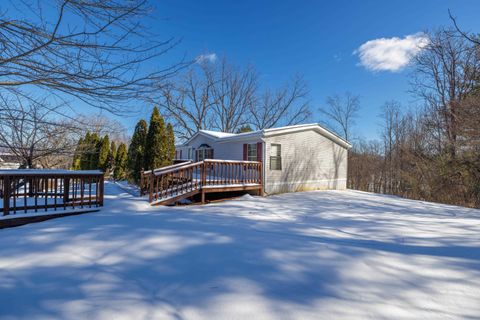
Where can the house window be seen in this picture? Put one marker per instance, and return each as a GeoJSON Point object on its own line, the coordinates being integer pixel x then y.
{"type": "Point", "coordinates": [252, 152]}
{"type": "Point", "coordinates": [204, 152]}
{"type": "Point", "coordinates": [275, 157]}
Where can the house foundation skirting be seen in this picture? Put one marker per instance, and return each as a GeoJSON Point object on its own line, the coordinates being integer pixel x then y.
{"type": "Point", "coordinates": [306, 185]}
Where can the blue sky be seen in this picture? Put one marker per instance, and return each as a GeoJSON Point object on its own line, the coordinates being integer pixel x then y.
{"type": "Point", "coordinates": [314, 38]}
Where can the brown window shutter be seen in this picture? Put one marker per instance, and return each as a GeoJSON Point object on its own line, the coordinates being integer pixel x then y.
{"type": "Point", "coordinates": [181, 154]}
{"type": "Point", "coordinates": [259, 151]}
{"type": "Point", "coordinates": [245, 151]}
{"type": "Point", "coordinates": [211, 154]}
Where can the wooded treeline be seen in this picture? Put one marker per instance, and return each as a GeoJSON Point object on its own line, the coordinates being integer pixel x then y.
{"type": "Point", "coordinates": [431, 151]}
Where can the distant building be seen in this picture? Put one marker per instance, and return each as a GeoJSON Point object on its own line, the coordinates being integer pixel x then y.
{"type": "Point", "coordinates": [9, 161]}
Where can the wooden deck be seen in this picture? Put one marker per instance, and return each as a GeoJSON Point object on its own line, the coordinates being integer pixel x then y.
{"type": "Point", "coordinates": [184, 180]}
{"type": "Point", "coordinates": [27, 191]}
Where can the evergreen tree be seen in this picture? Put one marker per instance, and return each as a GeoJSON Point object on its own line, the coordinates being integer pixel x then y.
{"type": "Point", "coordinates": [94, 152]}
{"type": "Point", "coordinates": [111, 156]}
{"type": "Point", "coordinates": [155, 146]}
{"type": "Point", "coordinates": [170, 147]}
{"type": "Point", "coordinates": [113, 150]}
{"type": "Point", "coordinates": [85, 155]}
{"type": "Point", "coordinates": [245, 128]}
{"type": "Point", "coordinates": [77, 156]}
{"type": "Point", "coordinates": [136, 151]}
{"type": "Point", "coordinates": [104, 150]}
{"type": "Point", "coordinates": [120, 163]}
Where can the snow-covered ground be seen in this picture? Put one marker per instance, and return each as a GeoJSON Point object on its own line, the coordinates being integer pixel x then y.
{"type": "Point", "coordinates": [313, 255]}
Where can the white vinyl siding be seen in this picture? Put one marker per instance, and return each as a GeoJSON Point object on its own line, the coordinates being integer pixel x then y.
{"type": "Point", "coordinates": [310, 161]}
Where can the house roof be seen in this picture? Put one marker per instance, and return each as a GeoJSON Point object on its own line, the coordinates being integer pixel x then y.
{"type": "Point", "coordinates": [229, 137]}
{"type": "Point", "coordinates": [9, 157]}
{"type": "Point", "coordinates": [218, 134]}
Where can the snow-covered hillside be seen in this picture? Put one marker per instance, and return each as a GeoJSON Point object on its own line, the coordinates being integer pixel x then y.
{"type": "Point", "coordinates": [313, 255]}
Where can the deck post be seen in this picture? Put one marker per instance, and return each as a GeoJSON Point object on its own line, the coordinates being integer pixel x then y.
{"type": "Point", "coordinates": [203, 179]}
{"type": "Point", "coordinates": [260, 175]}
{"type": "Point", "coordinates": [150, 197]}
{"type": "Point", "coordinates": [6, 195]}
{"type": "Point", "coordinates": [30, 187]}
{"type": "Point", "coordinates": [101, 191]}
{"type": "Point", "coordinates": [66, 189]}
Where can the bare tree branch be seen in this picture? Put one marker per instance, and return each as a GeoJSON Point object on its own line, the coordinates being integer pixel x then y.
{"type": "Point", "coordinates": [463, 33]}
{"type": "Point", "coordinates": [341, 112]}
{"type": "Point", "coordinates": [219, 96]}
{"type": "Point", "coordinates": [91, 50]}
{"type": "Point", "coordinates": [286, 106]}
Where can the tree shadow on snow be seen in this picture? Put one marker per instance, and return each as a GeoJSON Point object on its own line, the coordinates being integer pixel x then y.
{"type": "Point", "coordinates": [146, 262]}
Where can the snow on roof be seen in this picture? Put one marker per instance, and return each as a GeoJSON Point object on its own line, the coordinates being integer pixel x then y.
{"type": "Point", "coordinates": [218, 134]}
{"type": "Point", "coordinates": [224, 136]}
{"type": "Point", "coordinates": [9, 157]}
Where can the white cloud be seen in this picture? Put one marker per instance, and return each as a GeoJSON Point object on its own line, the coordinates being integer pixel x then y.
{"type": "Point", "coordinates": [390, 54]}
{"type": "Point", "coordinates": [208, 57]}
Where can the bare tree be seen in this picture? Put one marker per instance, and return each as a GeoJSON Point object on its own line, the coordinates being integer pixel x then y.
{"type": "Point", "coordinates": [391, 115]}
{"type": "Point", "coordinates": [469, 117]}
{"type": "Point", "coordinates": [99, 124]}
{"type": "Point", "coordinates": [233, 94]}
{"type": "Point", "coordinates": [220, 96]}
{"type": "Point", "coordinates": [29, 131]}
{"type": "Point", "coordinates": [446, 72]}
{"type": "Point", "coordinates": [341, 112]}
{"type": "Point", "coordinates": [188, 103]}
{"type": "Point", "coordinates": [365, 163]}
{"type": "Point", "coordinates": [286, 106]}
{"type": "Point", "coordinates": [91, 50]}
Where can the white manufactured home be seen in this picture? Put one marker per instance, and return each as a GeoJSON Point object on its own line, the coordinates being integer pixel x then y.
{"type": "Point", "coordinates": [295, 158]}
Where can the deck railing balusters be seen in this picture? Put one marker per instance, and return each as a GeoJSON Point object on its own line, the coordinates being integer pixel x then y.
{"type": "Point", "coordinates": [14, 196]}
{"type": "Point", "coordinates": [25, 193]}
{"type": "Point", "coordinates": [43, 190]}
{"type": "Point", "coordinates": [37, 182]}
{"type": "Point", "coordinates": [45, 187]}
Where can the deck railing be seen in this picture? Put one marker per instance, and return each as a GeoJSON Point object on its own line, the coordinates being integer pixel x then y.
{"type": "Point", "coordinates": [145, 176]}
{"type": "Point", "coordinates": [179, 180]}
{"type": "Point", "coordinates": [46, 190]}
{"type": "Point", "coordinates": [182, 180]}
{"type": "Point", "coordinates": [229, 172]}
